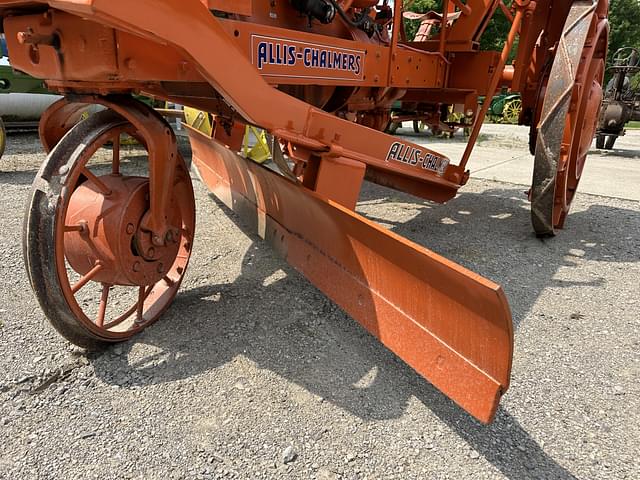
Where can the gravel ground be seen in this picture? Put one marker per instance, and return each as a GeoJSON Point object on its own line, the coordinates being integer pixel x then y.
{"type": "Point", "coordinates": [253, 373]}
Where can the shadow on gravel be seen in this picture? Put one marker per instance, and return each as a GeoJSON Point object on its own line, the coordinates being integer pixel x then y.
{"type": "Point", "coordinates": [491, 234]}
{"type": "Point", "coordinates": [273, 317]}
{"type": "Point", "coordinates": [17, 177]}
{"type": "Point", "coordinates": [23, 142]}
{"type": "Point", "coordinates": [617, 152]}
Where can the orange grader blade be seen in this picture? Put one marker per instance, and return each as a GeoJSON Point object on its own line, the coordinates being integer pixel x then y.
{"type": "Point", "coordinates": [451, 325]}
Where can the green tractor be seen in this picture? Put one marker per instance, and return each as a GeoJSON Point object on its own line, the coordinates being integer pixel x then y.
{"type": "Point", "coordinates": [28, 98]}
{"type": "Point", "coordinates": [23, 99]}
{"type": "Point", "coordinates": [14, 111]}
{"type": "Point", "coordinates": [12, 81]}
{"type": "Point", "coordinates": [504, 108]}
{"type": "Point", "coordinates": [442, 123]}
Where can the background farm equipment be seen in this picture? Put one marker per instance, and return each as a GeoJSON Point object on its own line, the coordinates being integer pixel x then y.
{"type": "Point", "coordinates": [320, 77]}
{"type": "Point", "coordinates": [504, 108]}
{"type": "Point", "coordinates": [442, 121]}
{"type": "Point", "coordinates": [621, 102]}
{"type": "Point", "coordinates": [444, 124]}
{"type": "Point", "coordinates": [23, 99]}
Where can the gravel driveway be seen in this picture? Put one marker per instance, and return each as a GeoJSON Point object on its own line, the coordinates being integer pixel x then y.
{"type": "Point", "coordinates": [253, 373]}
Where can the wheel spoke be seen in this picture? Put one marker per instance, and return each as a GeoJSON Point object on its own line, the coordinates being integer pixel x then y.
{"type": "Point", "coordinates": [115, 167]}
{"type": "Point", "coordinates": [88, 286]}
{"type": "Point", "coordinates": [75, 228]}
{"type": "Point", "coordinates": [96, 181]}
{"type": "Point", "coordinates": [142, 295]}
{"type": "Point", "coordinates": [103, 305]}
{"type": "Point", "coordinates": [86, 278]}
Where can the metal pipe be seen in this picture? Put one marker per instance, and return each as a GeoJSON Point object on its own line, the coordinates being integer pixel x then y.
{"type": "Point", "coordinates": [493, 85]}
{"type": "Point", "coordinates": [397, 26]}
{"type": "Point", "coordinates": [443, 26]}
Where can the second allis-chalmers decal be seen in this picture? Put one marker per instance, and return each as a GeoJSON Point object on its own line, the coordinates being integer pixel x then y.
{"type": "Point", "coordinates": [279, 57]}
{"type": "Point", "coordinates": [403, 153]}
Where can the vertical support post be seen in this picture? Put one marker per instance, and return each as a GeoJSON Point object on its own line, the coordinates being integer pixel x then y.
{"type": "Point", "coordinates": [398, 8]}
{"type": "Point", "coordinates": [521, 6]}
{"type": "Point", "coordinates": [336, 178]}
{"type": "Point", "coordinates": [443, 26]}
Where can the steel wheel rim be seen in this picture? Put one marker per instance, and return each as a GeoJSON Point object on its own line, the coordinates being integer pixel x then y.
{"type": "Point", "coordinates": [562, 114]}
{"type": "Point", "coordinates": [512, 111]}
{"type": "Point", "coordinates": [595, 78]}
{"type": "Point", "coordinates": [580, 126]}
{"type": "Point", "coordinates": [152, 300]}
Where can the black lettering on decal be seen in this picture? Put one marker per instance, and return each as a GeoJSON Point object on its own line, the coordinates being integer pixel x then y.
{"type": "Point", "coordinates": [292, 55]}
{"type": "Point", "coordinates": [415, 157]}
{"type": "Point", "coordinates": [323, 59]}
{"type": "Point", "coordinates": [358, 67]}
{"type": "Point", "coordinates": [393, 151]}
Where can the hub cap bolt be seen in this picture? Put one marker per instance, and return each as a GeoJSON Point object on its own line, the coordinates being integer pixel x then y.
{"type": "Point", "coordinates": [130, 228]}
{"type": "Point", "coordinates": [136, 267]}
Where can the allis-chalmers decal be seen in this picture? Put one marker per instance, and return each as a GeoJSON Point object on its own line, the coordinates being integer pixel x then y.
{"type": "Point", "coordinates": [403, 153]}
{"type": "Point", "coordinates": [279, 57]}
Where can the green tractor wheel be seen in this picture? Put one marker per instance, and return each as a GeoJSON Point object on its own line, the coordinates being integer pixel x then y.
{"type": "Point", "coordinates": [3, 137]}
{"type": "Point", "coordinates": [512, 110]}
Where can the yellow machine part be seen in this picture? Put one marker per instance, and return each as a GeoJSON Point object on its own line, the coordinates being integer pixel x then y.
{"type": "Point", "coordinates": [260, 151]}
{"type": "Point", "coordinates": [255, 145]}
{"type": "Point", "coordinates": [199, 120]}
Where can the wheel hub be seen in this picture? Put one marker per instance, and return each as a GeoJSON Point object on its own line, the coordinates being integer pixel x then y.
{"type": "Point", "coordinates": [103, 227]}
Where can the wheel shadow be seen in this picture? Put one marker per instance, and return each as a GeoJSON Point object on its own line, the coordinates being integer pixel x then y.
{"type": "Point", "coordinates": [490, 233]}
{"type": "Point", "coordinates": [617, 152]}
{"type": "Point", "coordinates": [272, 316]}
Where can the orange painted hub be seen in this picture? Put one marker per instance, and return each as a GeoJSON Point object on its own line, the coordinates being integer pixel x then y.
{"type": "Point", "coordinates": [103, 227]}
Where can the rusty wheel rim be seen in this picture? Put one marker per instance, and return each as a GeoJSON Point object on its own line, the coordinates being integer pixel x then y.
{"type": "Point", "coordinates": [588, 118]}
{"type": "Point", "coordinates": [580, 126]}
{"type": "Point", "coordinates": [141, 299]}
{"type": "Point", "coordinates": [572, 97]}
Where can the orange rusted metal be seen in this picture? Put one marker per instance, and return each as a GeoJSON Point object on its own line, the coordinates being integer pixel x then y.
{"type": "Point", "coordinates": [58, 119]}
{"type": "Point", "coordinates": [443, 320]}
{"type": "Point", "coordinates": [320, 77]}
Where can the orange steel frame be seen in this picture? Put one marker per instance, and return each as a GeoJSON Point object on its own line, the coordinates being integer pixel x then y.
{"type": "Point", "coordinates": [112, 46]}
{"type": "Point", "coordinates": [94, 51]}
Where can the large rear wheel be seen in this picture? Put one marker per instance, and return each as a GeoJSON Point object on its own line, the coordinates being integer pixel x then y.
{"type": "Point", "coordinates": [96, 272]}
{"type": "Point", "coordinates": [568, 122]}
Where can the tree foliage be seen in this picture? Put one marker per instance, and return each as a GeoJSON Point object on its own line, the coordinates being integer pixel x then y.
{"type": "Point", "coordinates": [419, 6]}
{"type": "Point", "coordinates": [624, 19]}
{"type": "Point", "coordinates": [493, 38]}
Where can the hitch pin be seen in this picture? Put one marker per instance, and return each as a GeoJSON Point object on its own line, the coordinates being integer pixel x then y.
{"type": "Point", "coordinates": [30, 38]}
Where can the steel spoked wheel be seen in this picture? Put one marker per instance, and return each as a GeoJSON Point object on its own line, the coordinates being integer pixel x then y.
{"type": "Point", "coordinates": [95, 271]}
{"type": "Point", "coordinates": [511, 112]}
{"type": "Point", "coordinates": [569, 116]}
